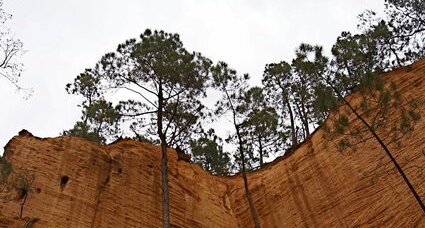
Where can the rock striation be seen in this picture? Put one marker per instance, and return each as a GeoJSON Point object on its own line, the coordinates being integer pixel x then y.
{"type": "Point", "coordinates": [81, 184]}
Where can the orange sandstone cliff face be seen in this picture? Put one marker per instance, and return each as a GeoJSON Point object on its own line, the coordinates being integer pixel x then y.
{"type": "Point", "coordinates": [80, 184]}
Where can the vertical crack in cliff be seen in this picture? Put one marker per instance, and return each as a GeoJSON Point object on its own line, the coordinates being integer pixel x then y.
{"type": "Point", "coordinates": [101, 188]}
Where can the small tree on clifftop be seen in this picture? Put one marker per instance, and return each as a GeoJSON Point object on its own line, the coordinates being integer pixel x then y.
{"type": "Point", "coordinates": [99, 120]}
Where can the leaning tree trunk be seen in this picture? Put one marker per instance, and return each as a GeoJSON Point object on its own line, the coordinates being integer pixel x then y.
{"type": "Point", "coordinates": [245, 178]}
{"type": "Point", "coordinates": [382, 144]}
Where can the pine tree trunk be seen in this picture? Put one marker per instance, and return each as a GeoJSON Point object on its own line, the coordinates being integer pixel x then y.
{"type": "Point", "coordinates": [245, 178]}
{"type": "Point", "coordinates": [165, 190]}
{"type": "Point", "coordinates": [164, 163]}
{"type": "Point", "coordinates": [293, 133]}
{"type": "Point", "coordinates": [250, 203]}
{"type": "Point", "coordinates": [305, 119]}
{"type": "Point", "coordinates": [303, 125]}
{"type": "Point", "coordinates": [260, 151]}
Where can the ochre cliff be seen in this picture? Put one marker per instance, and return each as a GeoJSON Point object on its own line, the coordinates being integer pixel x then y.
{"type": "Point", "coordinates": [118, 185]}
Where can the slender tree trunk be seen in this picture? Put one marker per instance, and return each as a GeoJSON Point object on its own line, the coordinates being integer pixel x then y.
{"type": "Point", "coordinates": [164, 165]}
{"type": "Point", "coordinates": [260, 151]}
{"type": "Point", "coordinates": [305, 119]}
{"type": "Point", "coordinates": [165, 190]}
{"type": "Point", "coordinates": [399, 64]}
{"type": "Point", "coordinates": [382, 144]}
{"type": "Point", "coordinates": [293, 133]}
{"type": "Point", "coordinates": [302, 120]}
{"type": "Point", "coordinates": [303, 109]}
{"type": "Point", "coordinates": [245, 178]}
{"type": "Point", "coordinates": [251, 204]}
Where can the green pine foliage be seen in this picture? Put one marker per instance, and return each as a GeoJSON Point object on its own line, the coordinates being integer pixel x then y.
{"type": "Point", "coordinates": [207, 151]}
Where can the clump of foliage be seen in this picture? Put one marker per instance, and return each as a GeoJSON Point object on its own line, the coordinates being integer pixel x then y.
{"type": "Point", "coordinates": [207, 151]}
{"type": "Point", "coordinates": [100, 119]}
{"type": "Point", "coordinates": [260, 127]}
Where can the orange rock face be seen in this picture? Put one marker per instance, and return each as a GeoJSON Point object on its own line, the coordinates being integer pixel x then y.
{"type": "Point", "coordinates": [80, 184]}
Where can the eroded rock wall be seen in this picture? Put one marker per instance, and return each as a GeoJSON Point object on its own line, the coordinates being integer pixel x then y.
{"type": "Point", "coordinates": [80, 184]}
{"type": "Point", "coordinates": [113, 186]}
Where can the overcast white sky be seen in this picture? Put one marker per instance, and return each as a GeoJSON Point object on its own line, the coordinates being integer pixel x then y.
{"type": "Point", "coordinates": [63, 37]}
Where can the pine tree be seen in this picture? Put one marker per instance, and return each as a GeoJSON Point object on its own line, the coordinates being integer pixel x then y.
{"type": "Point", "coordinates": [260, 125]}
{"type": "Point", "coordinates": [277, 80]}
{"type": "Point", "coordinates": [232, 86]}
{"type": "Point", "coordinates": [166, 82]}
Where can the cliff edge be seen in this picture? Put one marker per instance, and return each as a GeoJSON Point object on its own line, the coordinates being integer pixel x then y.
{"type": "Point", "coordinates": [81, 184]}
